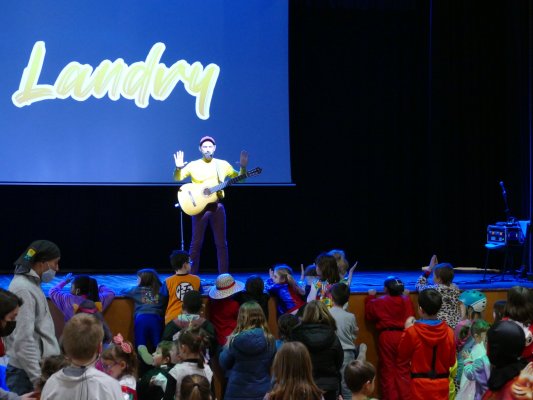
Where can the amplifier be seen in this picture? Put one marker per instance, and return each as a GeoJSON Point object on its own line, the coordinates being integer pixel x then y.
{"type": "Point", "coordinates": [505, 234]}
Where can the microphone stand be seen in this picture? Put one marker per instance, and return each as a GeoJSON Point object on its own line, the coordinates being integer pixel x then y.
{"type": "Point", "coordinates": [177, 205]}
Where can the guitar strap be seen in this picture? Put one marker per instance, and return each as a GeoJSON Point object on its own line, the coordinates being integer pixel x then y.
{"type": "Point", "coordinates": [218, 171]}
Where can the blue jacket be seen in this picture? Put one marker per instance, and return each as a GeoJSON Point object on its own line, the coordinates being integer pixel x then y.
{"type": "Point", "coordinates": [247, 362]}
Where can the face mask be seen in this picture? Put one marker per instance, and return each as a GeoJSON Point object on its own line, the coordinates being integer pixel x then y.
{"type": "Point", "coordinates": [48, 275]}
{"type": "Point", "coordinates": [8, 328]}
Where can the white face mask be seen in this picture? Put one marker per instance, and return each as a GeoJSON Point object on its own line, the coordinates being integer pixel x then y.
{"type": "Point", "coordinates": [48, 275]}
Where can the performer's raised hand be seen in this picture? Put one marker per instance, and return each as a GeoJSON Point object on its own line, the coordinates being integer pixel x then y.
{"type": "Point", "coordinates": [244, 159]}
{"type": "Point", "coordinates": [178, 159]}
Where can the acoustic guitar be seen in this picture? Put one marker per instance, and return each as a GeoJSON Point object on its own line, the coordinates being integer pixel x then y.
{"type": "Point", "coordinates": [194, 197]}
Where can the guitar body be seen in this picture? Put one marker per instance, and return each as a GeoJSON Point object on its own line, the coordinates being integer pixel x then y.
{"type": "Point", "coordinates": [194, 197]}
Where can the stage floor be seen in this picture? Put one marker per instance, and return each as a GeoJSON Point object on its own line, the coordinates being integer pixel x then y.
{"type": "Point", "coordinates": [362, 280]}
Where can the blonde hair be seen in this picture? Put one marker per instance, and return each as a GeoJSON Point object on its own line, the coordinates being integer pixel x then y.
{"type": "Point", "coordinates": [82, 335]}
{"type": "Point", "coordinates": [316, 312]}
{"type": "Point", "coordinates": [292, 374]}
{"type": "Point", "coordinates": [285, 274]}
{"type": "Point", "coordinates": [251, 316]}
{"type": "Point", "coordinates": [342, 262]}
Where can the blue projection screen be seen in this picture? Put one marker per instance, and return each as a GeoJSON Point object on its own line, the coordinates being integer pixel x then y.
{"type": "Point", "coordinates": [104, 92]}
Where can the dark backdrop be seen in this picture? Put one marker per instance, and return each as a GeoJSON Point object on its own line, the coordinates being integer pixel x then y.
{"type": "Point", "coordinates": [405, 116]}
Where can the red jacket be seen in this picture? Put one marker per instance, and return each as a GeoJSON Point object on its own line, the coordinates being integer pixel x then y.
{"type": "Point", "coordinates": [415, 356]}
{"type": "Point", "coordinates": [388, 311]}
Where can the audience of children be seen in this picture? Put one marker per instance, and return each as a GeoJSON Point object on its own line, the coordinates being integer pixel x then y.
{"type": "Point", "coordinates": [317, 333]}
{"type": "Point", "coordinates": [389, 312]}
{"type": "Point", "coordinates": [450, 311]}
{"type": "Point", "coordinates": [149, 308]}
{"type": "Point", "coordinates": [347, 330]}
{"type": "Point", "coordinates": [476, 370]}
{"type": "Point", "coordinates": [292, 374]}
{"type": "Point", "coordinates": [83, 287]}
{"type": "Point", "coordinates": [248, 354]}
{"type": "Point", "coordinates": [254, 290]}
{"type": "Point", "coordinates": [178, 284]}
{"type": "Point", "coordinates": [328, 274]}
{"type": "Point", "coordinates": [191, 346]}
{"type": "Point", "coordinates": [426, 352]}
{"type": "Point", "coordinates": [195, 387]}
{"type": "Point", "coordinates": [82, 343]}
{"type": "Point", "coordinates": [284, 289]}
{"type": "Point", "coordinates": [148, 387]}
{"type": "Point", "coordinates": [223, 307]}
{"type": "Point", "coordinates": [360, 376]}
{"type": "Point", "coordinates": [119, 360]}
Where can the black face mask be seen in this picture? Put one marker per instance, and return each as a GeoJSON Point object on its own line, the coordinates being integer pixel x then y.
{"type": "Point", "coordinates": [8, 328]}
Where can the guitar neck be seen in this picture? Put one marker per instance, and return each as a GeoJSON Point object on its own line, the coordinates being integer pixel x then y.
{"type": "Point", "coordinates": [227, 183]}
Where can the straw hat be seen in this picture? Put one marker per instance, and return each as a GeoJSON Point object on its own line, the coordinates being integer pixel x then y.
{"type": "Point", "coordinates": [225, 286]}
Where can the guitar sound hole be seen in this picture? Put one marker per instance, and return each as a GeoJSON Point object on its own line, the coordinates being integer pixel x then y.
{"type": "Point", "coordinates": [206, 192]}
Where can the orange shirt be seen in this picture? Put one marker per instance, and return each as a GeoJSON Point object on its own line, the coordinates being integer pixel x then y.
{"type": "Point", "coordinates": [175, 288]}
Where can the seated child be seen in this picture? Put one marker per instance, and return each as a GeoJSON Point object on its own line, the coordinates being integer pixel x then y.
{"type": "Point", "coordinates": [148, 387]}
{"type": "Point", "coordinates": [178, 284]}
{"type": "Point", "coordinates": [450, 311]}
{"type": "Point", "coordinates": [360, 377]}
{"type": "Point", "coordinates": [83, 287]}
{"type": "Point", "coordinates": [282, 287]}
{"type": "Point", "coordinates": [119, 360]}
{"type": "Point", "coordinates": [82, 342]}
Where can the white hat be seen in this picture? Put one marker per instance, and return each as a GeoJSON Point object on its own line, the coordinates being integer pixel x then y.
{"type": "Point", "coordinates": [225, 286]}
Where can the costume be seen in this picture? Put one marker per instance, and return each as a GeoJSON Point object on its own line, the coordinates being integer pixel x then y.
{"type": "Point", "coordinates": [326, 354]}
{"type": "Point", "coordinates": [148, 314]}
{"type": "Point", "coordinates": [425, 355]}
{"type": "Point", "coordinates": [210, 172]}
{"type": "Point", "coordinates": [450, 311]}
{"type": "Point", "coordinates": [223, 314]}
{"type": "Point", "coordinates": [320, 290]}
{"type": "Point", "coordinates": [247, 360]}
{"type": "Point", "coordinates": [477, 371]}
{"type": "Point", "coordinates": [175, 288]}
{"type": "Point", "coordinates": [65, 301]}
{"type": "Point", "coordinates": [147, 391]}
{"type": "Point", "coordinates": [189, 367]}
{"type": "Point", "coordinates": [347, 331]}
{"type": "Point", "coordinates": [34, 337]}
{"type": "Point", "coordinates": [77, 383]}
{"type": "Point", "coordinates": [128, 385]}
{"type": "Point", "coordinates": [390, 314]}
{"type": "Point", "coordinates": [287, 299]}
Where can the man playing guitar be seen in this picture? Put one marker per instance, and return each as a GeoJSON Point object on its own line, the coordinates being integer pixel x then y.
{"type": "Point", "coordinates": [211, 171]}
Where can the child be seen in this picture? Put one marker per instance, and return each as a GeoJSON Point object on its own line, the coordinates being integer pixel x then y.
{"type": "Point", "coordinates": [49, 366]}
{"type": "Point", "coordinates": [120, 361]}
{"type": "Point", "coordinates": [426, 352]}
{"type": "Point", "coordinates": [191, 349]}
{"type": "Point", "coordinates": [389, 312]}
{"type": "Point", "coordinates": [191, 318]}
{"type": "Point", "coordinates": [292, 374]}
{"type": "Point", "coordinates": [223, 308]}
{"type": "Point", "coordinates": [82, 342]}
{"type": "Point", "coordinates": [498, 309]}
{"type": "Point", "coordinates": [147, 387]}
{"type": "Point", "coordinates": [328, 273]}
{"type": "Point", "coordinates": [360, 377]}
{"type": "Point", "coordinates": [248, 355]}
{"type": "Point", "coordinates": [286, 323]}
{"type": "Point", "coordinates": [450, 311]}
{"type": "Point", "coordinates": [91, 308]}
{"type": "Point", "coordinates": [149, 312]}
{"type": "Point", "coordinates": [343, 265]}
{"type": "Point", "coordinates": [317, 333]}
{"type": "Point", "coordinates": [307, 278]}
{"type": "Point", "coordinates": [347, 329]}
{"type": "Point", "coordinates": [254, 290]}
{"type": "Point", "coordinates": [476, 369]}
{"type": "Point", "coordinates": [180, 283]}
{"type": "Point", "coordinates": [519, 309]}
{"type": "Point", "coordinates": [282, 286]}
{"type": "Point", "coordinates": [195, 387]}
{"type": "Point", "coordinates": [83, 287]}
{"type": "Point", "coordinates": [472, 304]}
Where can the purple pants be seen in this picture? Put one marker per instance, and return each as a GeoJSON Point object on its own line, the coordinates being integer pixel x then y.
{"type": "Point", "coordinates": [214, 215]}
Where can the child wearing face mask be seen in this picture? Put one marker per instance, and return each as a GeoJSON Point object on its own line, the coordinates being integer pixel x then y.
{"type": "Point", "coordinates": [34, 337]}
{"type": "Point", "coordinates": [83, 287]}
{"type": "Point", "coordinates": [82, 343]}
